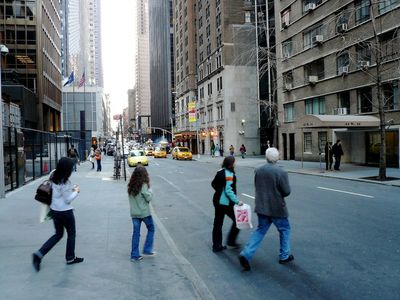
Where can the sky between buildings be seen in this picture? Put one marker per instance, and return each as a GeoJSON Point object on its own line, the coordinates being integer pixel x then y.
{"type": "Point", "coordinates": [119, 44]}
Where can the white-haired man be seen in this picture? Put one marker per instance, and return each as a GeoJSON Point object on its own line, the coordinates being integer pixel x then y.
{"type": "Point", "coordinates": [272, 186]}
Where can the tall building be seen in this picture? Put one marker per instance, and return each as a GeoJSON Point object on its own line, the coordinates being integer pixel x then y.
{"type": "Point", "coordinates": [227, 103]}
{"type": "Point", "coordinates": [31, 72]}
{"type": "Point", "coordinates": [82, 55]}
{"type": "Point", "coordinates": [185, 69]}
{"type": "Point", "coordinates": [336, 59]}
{"type": "Point", "coordinates": [161, 66]}
{"type": "Point", "coordinates": [142, 84]}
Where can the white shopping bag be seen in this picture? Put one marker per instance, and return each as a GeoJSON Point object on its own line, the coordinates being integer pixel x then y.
{"type": "Point", "coordinates": [44, 213]}
{"type": "Point", "coordinates": [243, 216]}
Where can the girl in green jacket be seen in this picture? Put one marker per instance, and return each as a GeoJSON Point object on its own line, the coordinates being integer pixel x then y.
{"type": "Point", "coordinates": [140, 196]}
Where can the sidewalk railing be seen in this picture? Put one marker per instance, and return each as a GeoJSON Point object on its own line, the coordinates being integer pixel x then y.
{"type": "Point", "coordinates": [30, 154]}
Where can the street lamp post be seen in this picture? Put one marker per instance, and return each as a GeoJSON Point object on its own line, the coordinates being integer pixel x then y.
{"type": "Point", "coordinates": [3, 50]}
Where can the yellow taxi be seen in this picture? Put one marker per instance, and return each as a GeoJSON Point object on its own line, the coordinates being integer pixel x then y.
{"type": "Point", "coordinates": [136, 157]}
{"type": "Point", "coordinates": [160, 152]}
{"type": "Point", "coordinates": [181, 153]}
{"type": "Point", "coordinates": [149, 151]}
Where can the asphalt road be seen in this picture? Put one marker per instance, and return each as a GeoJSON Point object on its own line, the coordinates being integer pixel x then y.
{"type": "Point", "coordinates": [345, 236]}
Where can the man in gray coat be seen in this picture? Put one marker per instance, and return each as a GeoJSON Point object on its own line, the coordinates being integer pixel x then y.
{"type": "Point", "coordinates": [271, 185]}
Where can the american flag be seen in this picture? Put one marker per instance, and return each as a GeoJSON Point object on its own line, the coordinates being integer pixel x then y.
{"type": "Point", "coordinates": [82, 80]}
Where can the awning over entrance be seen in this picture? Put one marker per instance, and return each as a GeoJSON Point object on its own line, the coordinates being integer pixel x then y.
{"type": "Point", "coordinates": [337, 121]}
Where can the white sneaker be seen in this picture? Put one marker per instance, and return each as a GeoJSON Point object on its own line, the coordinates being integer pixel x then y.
{"type": "Point", "coordinates": [151, 254]}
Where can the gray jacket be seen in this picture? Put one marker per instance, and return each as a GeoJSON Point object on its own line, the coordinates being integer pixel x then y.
{"type": "Point", "coordinates": [272, 185]}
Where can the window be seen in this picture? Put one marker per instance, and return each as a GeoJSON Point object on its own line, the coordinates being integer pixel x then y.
{"type": "Point", "coordinates": [200, 22]}
{"type": "Point", "coordinates": [362, 11]}
{"type": "Point", "coordinates": [365, 100]}
{"type": "Point", "coordinates": [386, 5]}
{"type": "Point", "coordinates": [392, 95]}
{"type": "Point", "coordinates": [288, 80]}
{"type": "Point", "coordinates": [309, 35]}
{"type": "Point", "coordinates": [289, 112]}
{"type": "Point", "coordinates": [363, 54]}
{"type": "Point", "coordinates": [220, 113]}
{"type": "Point", "coordinates": [208, 30]}
{"type": "Point", "coordinates": [342, 18]}
{"type": "Point", "coordinates": [343, 60]}
{"type": "Point", "coordinates": [208, 49]}
{"type": "Point", "coordinates": [390, 45]}
{"type": "Point", "coordinates": [316, 68]}
{"type": "Point", "coordinates": [201, 39]}
{"type": "Point", "coordinates": [285, 18]}
{"type": "Point", "coordinates": [306, 2]}
{"type": "Point", "coordinates": [344, 100]}
{"type": "Point", "coordinates": [287, 48]}
{"type": "Point", "coordinates": [210, 114]}
{"type": "Point", "coordinates": [218, 20]}
{"type": "Point", "coordinates": [322, 139]}
{"type": "Point", "coordinates": [201, 92]}
{"type": "Point", "coordinates": [315, 106]}
{"type": "Point", "coordinates": [219, 84]}
{"type": "Point", "coordinates": [247, 17]}
{"type": "Point", "coordinates": [307, 142]}
{"type": "Point", "coordinates": [233, 107]}
{"type": "Point", "coordinates": [209, 89]}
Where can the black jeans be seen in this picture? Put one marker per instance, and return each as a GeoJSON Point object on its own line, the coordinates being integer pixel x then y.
{"type": "Point", "coordinates": [220, 212]}
{"type": "Point", "coordinates": [337, 163]}
{"type": "Point", "coordinates": [62, 219]}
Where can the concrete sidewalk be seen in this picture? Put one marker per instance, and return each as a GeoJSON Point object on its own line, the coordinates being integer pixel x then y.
{"type": "Point", "coordinates": [347, 171]}
{"type": "Point", "coordinates": [104, 230]}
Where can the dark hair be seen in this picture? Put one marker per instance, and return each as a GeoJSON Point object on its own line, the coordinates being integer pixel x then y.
{"type": "Point", "coordinates": [63, 171]}
{"type": "Point", "coordinates": [138, 178]}
{"type": "Point", "coordinates": [229, 163]}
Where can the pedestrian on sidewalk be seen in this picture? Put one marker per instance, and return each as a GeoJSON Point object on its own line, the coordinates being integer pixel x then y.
{"type": "Point", "coordinates": [271, 187]}
{"type": "Point", "coordinates": [224, 184]}
{"type": "Point", "coordinates": [217, 150]}
{"type": "Point", "coordinates": [62, 213]}
{"type": "Point", "coordinates": [243, 151]}
{"type": "Point", "coordinates": [212, 150]}
{"type": "Point", "coordinates": [337, 153]}
{"type": "Point", "coordinates": [73, 154]}
{"type": "Point", "coordinates": [221, 151]}
{"type": "Point", "coordinates": [91, 157]}
{"type": "Point", "coordinates": [140, 196]}
{"type": "Point", "coordinates": [231, 150]}
{"type": "Point", "coordinates": [328, 155]}
{"type": "Point", "coordinates": [97, 156]}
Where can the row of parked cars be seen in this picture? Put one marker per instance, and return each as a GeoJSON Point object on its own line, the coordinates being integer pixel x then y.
{"type": "Point", "coordinates": [140, 156]}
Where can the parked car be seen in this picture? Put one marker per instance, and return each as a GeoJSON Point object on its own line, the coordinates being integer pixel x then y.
{"type": "Point", "coordinates": [136, 157]}
{"type": "Point", "coordinates": [160, 152]}
{"type": "Point", "coordinates": [181, 153]}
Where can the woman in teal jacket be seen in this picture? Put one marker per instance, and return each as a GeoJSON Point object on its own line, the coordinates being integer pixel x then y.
{"type": "Point", "coordinates": [224, 199]}
{"type": "Point", "coordinates": [140, 196]}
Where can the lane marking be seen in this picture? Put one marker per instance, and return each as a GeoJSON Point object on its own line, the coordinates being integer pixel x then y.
{"type": "Point", "coordinates": [170, 183]}
{"type": "Point", "coordinates": [251, 197]}
{"type": "Point", "coordinates": [345, 192]}
{"type": "Point", "coordinates": [198, 284]}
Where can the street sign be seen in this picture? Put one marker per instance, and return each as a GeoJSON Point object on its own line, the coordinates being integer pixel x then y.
{"type": "Point", "coordinates": [192, 112]}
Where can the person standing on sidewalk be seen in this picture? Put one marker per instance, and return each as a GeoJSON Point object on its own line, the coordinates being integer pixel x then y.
{"type": "Point", "coordinates": [224, 184]}
{"type": "Point", "coordinates": [140, 196]}
{"type": "Point", "coordinates": [212, 150]}
{"type": "Point", "coordinates": [97, 156]}
{"type": "Point", "coordinates": [337, 152]}
{"type": "Point", "coordinates": [231, 150]}
{"type": "Point", "coordinates": [328, 155]}
{"type": "Point", "coordinates": [91, 157]}
{"type": "Point", "coordinates": [62, 212]}
{"type": "Point", "coordinates": [73, 154]}
{"type": "Point", "coordinates": [271, 187]}
{"type": "Point", "coordinates": [243, 151]}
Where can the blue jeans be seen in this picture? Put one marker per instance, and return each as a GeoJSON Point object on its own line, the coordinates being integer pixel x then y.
{"type": "Point", "coordinates": [148, 245]}
{"type": "Point", "coordinates": [264, 222]}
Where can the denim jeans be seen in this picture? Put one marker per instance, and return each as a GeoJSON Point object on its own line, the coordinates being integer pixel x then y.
{"type": "Point", "coordinates": [148, 245]}
{"type": "Point", "coordinates": [264, 222]}
{"type": "Point", "coordinates": [61, 219]}
{"type": "Point", "coordinates": [99, 165]}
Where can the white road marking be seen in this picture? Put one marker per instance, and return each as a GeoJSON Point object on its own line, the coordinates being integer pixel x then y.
{"type": "Point", "coordinates": [169, 182]}
{"type": "Point", "coordinates": [345, 192]}
{"type": "Point", "coordinates": [251, 197]}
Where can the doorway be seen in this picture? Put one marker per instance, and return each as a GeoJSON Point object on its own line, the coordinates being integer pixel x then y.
{"type": "Point", "coordinates": [284, 138]}
{"type": "Point", "coordinates": [291, 146]}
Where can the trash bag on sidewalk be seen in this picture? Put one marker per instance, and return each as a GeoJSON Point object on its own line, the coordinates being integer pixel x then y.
{"type": "Point", "coordinates": [243, 216]}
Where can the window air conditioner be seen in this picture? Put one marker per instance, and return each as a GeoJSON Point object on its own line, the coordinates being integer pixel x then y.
{"type": "Point", "coordinates": [342, 27]}
{"type": "Point", "coordinates": [312, 79]}
{"type": "Point", "coordinates": [318, 39]}
{"type": "Point", "coordinates": [340, 111]}
{"type": "Point", "coordinates": [288, 86]}
{"type": "Point", "coordinates": [310, 7]}
{"type": "Point", "coordinates": [343, 70]}
{"type": "Point", "coordinates": [364, 64]}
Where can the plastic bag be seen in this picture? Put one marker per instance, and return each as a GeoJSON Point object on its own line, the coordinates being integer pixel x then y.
{"type": "Point", "coordinates": [243, 216]}
{"type": "Point", "coordinates": [45, 213]}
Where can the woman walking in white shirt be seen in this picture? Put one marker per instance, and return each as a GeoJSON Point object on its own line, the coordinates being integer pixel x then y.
{"type": "Point", "coordinates": [62, 212]}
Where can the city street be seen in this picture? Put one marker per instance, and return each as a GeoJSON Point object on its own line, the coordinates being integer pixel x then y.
{"type": "Point", "coordinates": [345, 240]}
